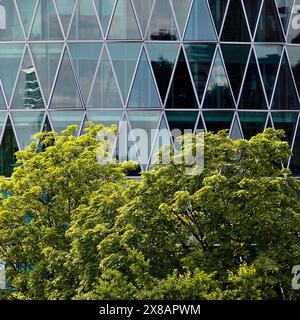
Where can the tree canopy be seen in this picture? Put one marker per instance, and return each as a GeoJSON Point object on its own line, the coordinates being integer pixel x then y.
{"type": "Point", "coordinates": [73, 229]}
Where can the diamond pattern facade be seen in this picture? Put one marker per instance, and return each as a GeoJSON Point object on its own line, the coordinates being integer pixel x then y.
{"type": "Point", "coordinates": [187, 64]}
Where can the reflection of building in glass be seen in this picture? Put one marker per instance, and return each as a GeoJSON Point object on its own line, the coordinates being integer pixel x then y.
{"type": "Point", "coordinates": [188, 64]}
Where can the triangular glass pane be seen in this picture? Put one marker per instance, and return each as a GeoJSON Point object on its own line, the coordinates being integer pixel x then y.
{"type": "Point", "coordinates": [105, 92]}
{"type": "Point", "coordinates": [181, 9]}
{"type": "Point", "coordinates": [181, 95]}
{"type": "Point", "coordinates": [65, 93]}
{"type": "Point", "coordinates": [236, 132]}
{"type": "Point", "coordinates": [235, 26]}
{"type": "Point", "coordinates": [269, 28]}
{"type": "Point", "coordinates": [252, 10]}
{"type": "Point", "coordinates": [46, 58]}
{"type": "Point", "coordinates": [143, 10]}
{"type": "Point", "coordinates": [144, 94]}
{"type": "Point", "coordinates": [162, 140]}
{"type": "Point", "coordinates": [27, 124]}
{"type": "Point", "coordinates": [268, 59]}
{"type": "Point", "coordinates": [46, 24]}
{"type": "Point", "coordinates": [218, 10]}
{"type": "Point", "coordinates": [27, 94]}
{"type": "Point", "coordinates": [85, 24]}
{"type": "Point", "coordinates": [200, 25]}
{"type": "Point", "coordinates": [200, 58]}
{"type": "Point", "coordinates": [284, 8]}
{"type": "Point", "coordinates": [104, 9]}
{"type": "Point", "coordinates": [294, 29]}
{"type": "Point", "coordinates": [2, 101]}
{"type": "Point", "coordinates": [144, 125]}
{"type": "Point", "coordinates": [3, 116]}
{"type": "Point", "coordinates": [252, 96]}
{"type": "Point", "coordinates": [10, 24]}
{"type": "Point", "coordinates": [124, 58]}
{"type": "Point", "coordinates": [10, 60]}
{"type": "Point", "coordinates": [286, 121]}
{"type": "Point", "coordinates": [218, 120]}
{"type": "Point", "coordinates": [295, 160]}
{"type": "Point", "coordinates": [47, 125]}
{"type": "Point", "coordinates": [269, 123]}
{"type": "Point", "coordinates": [285, 96]}
{"type": "Point", "coordinates": [294, 57]}
{"type": "Point", "coordinates": [162, 23]}
{"type": "Point", "coordinates": [252, 123]}
{"type": "Point", "coordinates": [182, 120]}
{"type": "Point", "coordinates": [107, 118]}
{"type": "Point", "coordinates": [8, 149]}
{"type": "Point", "coordinates": [124, 25]}
{"type": "Point", "coordinates": [85, 57]}
{"type": "Point", "coordinates": [62, 119]}
{"type": "Point", "coordinates": [26, 9]}
{"type": "Point", "coordinates": [163, 56]}
{"type": "Point", "coordinates": [65, 9]}
{"type": "Point", "coordinates": [235, 58]}
{"type": "Point", "coordinates": [218, 93]}
{"type": "Point", "coordinates": [200, 125]}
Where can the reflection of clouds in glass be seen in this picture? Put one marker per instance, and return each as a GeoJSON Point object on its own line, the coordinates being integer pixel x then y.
{"type": "Point", "coordinates": [218, 76]}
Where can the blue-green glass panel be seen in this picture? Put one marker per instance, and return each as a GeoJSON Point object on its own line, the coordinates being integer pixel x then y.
{"type": "Point", "coordinates": [105, 117]}
{"type": "Point", "coordinates": [10, 59]}
{"type": "Point", "coordinates": [286, 121]}
{"type": "Point", "coordinates": [27, 124]}
{"type": "Point", "coordinates": [124, 58]}
{"type": "Point", "coordinates": [46, 24]}
{"type": "Point", "coordinates": [252, 96]}
{"type": "Point", "coordinates": [162, 23]}
{"type": "Point", "coordinates": [252, 123]}
{"type": "Point", "coordinates": [2, 101]}
{"type": "Point", "coordinates": [104, 9]}
{"type": "Point", "coordinates": [252, 10]}
{"type": "Point", "coordinates": [218, 94]}
{"type": "Point", "coordinates": [10, 24]}
{"type": "Point", "coordinates": [26, 9]}
{"type": "Point", "coordinates": [235, 58]}
{"type": "Point", "coordinates": [3, 116]}
{"type": "Point", "coordinates": [182, 120]}
{"type": "Point", "coordinates": [62, 119]}
{"type": "Point", "coordinates": [105, 92]}
{"type": "Point", "coordinates": [85, 57]}
{"type": "Point", "coordinates": [144, 94]}
{"type": "Point", "coordinates": [85, 24]}
{"type": "Point", "coordinates": [181, 9]}
{"type": "Point", "coordinates": [235, 26]}
{"type": "Point", "coordinates": [65, 93]}
{"type": "Point", "coordinates": [285, 95]}
{"type": "Point", "coordinates": [143, 9]}
{"type": "Point", "coordinates": [284, 9]}
{"type": "Point", "coordinates": [200, 58]}
{"type": "Point", "coordinates": [65, 9]}
{"type": "Point", "coordinates": [200, 25]}
{"type": "Point", "coordinates": [124, 25]}
{"type": "Point", "coordinates": [218, 11]}
{"type": "Point", "coordinates": [46, 58]}
{"type": "Point", "coordinates": [294, 28]}
{"type": "Point", "coordinates": [27, 94]}
{"type": "Point", "coordinates": [162, 57]}
{"type": "Point", "coordinates": [269, 28]}
{"type": "Point", "coordinates": [268, 59]}
{"type": "Point", "coordinates": [218, 120]}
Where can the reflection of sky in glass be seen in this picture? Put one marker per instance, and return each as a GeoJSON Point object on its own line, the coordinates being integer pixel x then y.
{"type": "Point", "coordinates": [218, 76]}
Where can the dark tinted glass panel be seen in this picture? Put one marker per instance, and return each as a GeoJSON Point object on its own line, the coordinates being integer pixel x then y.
{"type": "Point", "coordinates": [284, 8]}
{"type": "Point", "coordinates": [162, 24]}
{"type": "Point", "coordinates": [252, 10]}
{"type": "Point", "coordinates": [218, 120]}
{"type": "Point", "coordinates": [235, 26]}
{"type": "Point", "coordinates": [294, 57]}
{"type": "Point", "coordinates": [294, 28]}
{"type": "Point", "coordinates": [285, 96]}
{"type": "Point", "coordinates": [8, 149]}
{"type": "Point", "coordinates": [295, 161]}
{"type": "Point", "coordinates": [163, 58]}
{"type": "Point", "coordinates": [269, 27]}
{"type": "Point", "coordinates": [218, 9]}
{"type": "Point", "coordinates": [218, 93]}
{"type": "Point", "coordinates": [200, 60]}
{"type": "Point", "coordinates": [182, 120]}
{"type": "Point", "coordinates": [286, 121]}
{"type": "Point", "coordinates": [252, 123]}
{"type": "Point", "coordinates": [268, 59]}
{"type": "Point", "coordinates": [235, 58]}
{"type": "Point", "coordinates": [200, 25]}
{"type": "Point", "coordinates": [181, 94]}
{"type": "Point", "coordinates": [252, 96]}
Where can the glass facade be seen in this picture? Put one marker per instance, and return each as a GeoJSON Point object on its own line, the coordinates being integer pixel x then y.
{"type": "Point", "coordinates": [156, 64]}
